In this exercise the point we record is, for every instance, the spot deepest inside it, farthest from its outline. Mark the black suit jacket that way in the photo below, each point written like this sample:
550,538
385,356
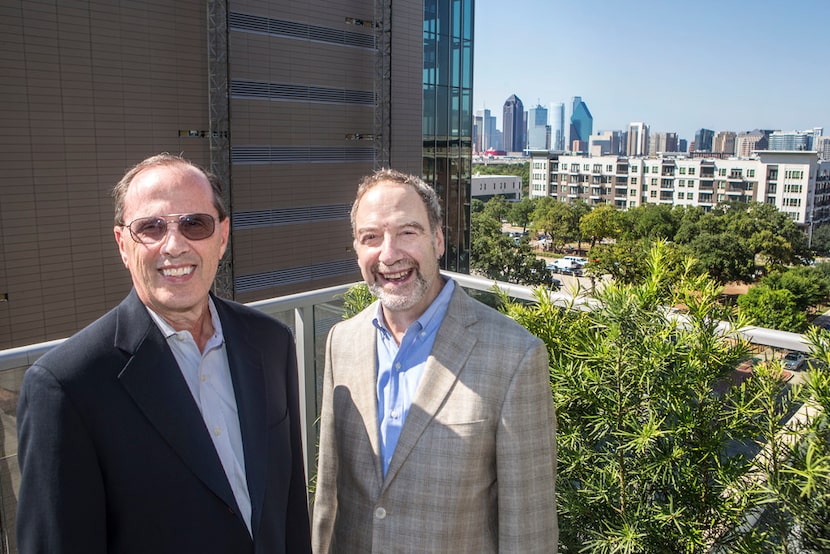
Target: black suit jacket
115,456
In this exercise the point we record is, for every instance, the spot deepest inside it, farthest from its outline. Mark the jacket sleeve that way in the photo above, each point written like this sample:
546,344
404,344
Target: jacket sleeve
298,532
526,459
61,504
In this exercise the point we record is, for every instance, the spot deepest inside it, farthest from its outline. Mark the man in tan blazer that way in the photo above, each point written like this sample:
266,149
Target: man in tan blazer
437,427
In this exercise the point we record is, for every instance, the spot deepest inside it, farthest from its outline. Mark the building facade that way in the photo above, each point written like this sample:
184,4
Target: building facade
557,130
637,140
513,124
538,130
703,140
290,103
582,125
796,183
486,187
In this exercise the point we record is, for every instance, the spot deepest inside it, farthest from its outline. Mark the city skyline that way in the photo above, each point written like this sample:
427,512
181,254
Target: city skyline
726,67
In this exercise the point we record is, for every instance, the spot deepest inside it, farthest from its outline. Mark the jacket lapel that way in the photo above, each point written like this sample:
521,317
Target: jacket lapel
363,381
247,373
154,381
450,351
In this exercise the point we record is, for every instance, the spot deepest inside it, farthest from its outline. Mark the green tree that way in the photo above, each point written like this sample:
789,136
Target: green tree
723,257
642,437
497,208
552,218
809,285
603,222
520,212
493,254
820,240
772,308
768,232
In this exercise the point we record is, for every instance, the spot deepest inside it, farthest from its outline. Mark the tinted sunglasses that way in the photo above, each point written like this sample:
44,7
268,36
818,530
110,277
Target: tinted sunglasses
149,230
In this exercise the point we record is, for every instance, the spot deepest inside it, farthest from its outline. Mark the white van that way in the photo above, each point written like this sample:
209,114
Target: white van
576,259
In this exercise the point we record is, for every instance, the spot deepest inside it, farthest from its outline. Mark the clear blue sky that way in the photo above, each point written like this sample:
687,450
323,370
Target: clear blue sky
726,65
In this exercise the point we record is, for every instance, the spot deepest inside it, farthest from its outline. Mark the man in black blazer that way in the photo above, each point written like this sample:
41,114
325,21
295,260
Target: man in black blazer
171,424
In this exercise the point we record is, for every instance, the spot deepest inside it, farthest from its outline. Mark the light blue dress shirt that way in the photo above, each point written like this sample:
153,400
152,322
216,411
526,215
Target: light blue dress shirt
400,368
209,378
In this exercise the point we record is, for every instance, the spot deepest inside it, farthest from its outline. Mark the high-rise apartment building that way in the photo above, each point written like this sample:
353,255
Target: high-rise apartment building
582,125
637,142
703,140
538,130
289,102
513,124
796,183
724,142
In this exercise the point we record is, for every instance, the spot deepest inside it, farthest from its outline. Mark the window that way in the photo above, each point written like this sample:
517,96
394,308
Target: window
683,171
634,169
655,169
750,186
585,167
681,195
653,194
632,192
633,180
750,173
691,171
609,168
654,181
722,172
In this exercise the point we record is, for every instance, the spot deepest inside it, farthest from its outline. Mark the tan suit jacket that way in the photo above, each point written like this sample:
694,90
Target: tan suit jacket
474,468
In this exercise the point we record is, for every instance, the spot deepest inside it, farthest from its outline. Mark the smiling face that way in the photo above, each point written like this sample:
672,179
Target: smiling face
172,276
397,251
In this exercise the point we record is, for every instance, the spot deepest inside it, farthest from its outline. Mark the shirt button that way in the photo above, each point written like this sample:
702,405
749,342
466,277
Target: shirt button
217,431
398,365
202,378
394,414
380,513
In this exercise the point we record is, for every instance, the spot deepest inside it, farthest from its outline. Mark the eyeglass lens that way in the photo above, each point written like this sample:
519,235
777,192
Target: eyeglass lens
153,229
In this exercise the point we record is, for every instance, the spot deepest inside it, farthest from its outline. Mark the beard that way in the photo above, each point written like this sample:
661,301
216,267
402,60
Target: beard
401,300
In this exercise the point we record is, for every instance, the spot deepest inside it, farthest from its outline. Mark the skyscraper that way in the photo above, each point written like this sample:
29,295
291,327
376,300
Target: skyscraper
703,140
290,103
557,123
538,131
637,144
485,130
513,122
582,123
724,142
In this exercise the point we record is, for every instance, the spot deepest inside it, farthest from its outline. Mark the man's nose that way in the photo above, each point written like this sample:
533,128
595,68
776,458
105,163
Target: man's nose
174,243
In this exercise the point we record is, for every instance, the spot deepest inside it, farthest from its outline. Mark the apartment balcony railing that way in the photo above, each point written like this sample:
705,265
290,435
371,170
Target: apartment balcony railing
310,316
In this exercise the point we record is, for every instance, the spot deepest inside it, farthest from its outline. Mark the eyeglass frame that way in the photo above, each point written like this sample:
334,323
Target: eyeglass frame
169,219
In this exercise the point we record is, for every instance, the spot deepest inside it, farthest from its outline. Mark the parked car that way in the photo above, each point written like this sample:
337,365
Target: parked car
794,360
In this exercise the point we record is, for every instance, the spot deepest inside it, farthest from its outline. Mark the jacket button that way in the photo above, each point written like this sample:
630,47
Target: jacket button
380,513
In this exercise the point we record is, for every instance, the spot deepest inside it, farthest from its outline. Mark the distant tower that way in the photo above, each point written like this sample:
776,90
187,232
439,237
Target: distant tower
513,120
485,130
724,142
582,122
637,139
557,123
703,140
537,128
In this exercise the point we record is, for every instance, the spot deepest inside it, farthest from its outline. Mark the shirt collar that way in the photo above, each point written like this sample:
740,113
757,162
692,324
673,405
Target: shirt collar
168,331
433,315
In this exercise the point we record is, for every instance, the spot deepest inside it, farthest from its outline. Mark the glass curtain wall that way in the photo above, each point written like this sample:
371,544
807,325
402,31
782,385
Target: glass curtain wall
448,119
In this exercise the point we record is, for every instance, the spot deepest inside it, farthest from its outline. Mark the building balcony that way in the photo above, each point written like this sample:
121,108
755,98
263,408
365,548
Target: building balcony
310,315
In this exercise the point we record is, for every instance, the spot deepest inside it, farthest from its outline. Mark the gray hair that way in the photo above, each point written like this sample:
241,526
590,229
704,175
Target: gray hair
426,192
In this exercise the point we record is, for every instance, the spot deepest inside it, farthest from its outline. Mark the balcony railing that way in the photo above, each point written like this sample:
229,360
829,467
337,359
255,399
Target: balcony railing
310,316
